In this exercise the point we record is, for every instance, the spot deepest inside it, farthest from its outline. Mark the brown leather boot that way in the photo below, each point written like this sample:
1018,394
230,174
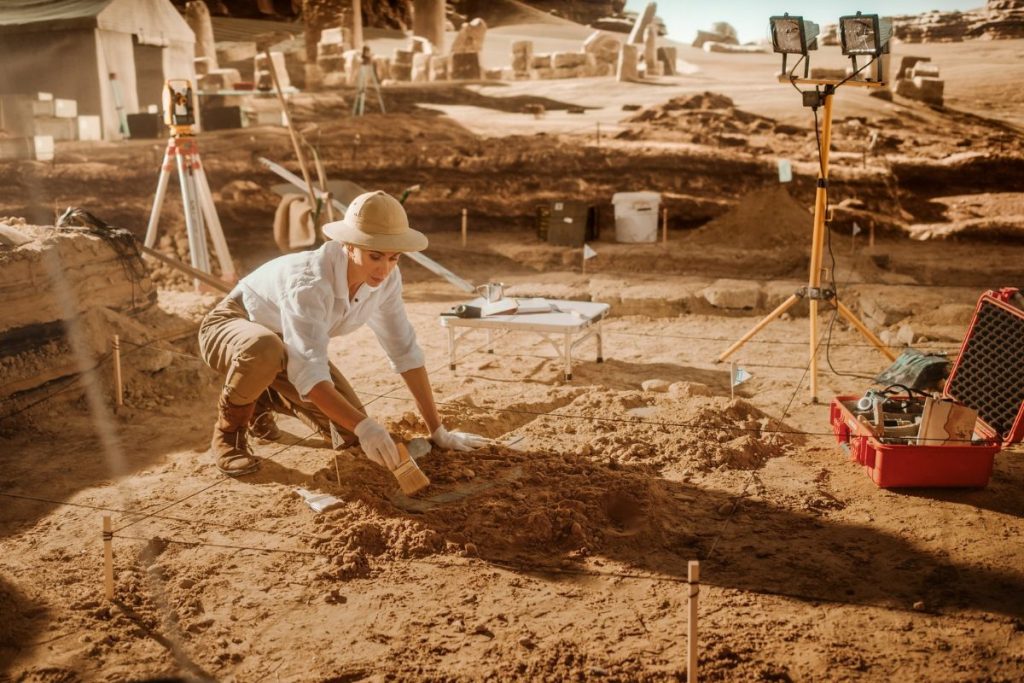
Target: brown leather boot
263,426
230,445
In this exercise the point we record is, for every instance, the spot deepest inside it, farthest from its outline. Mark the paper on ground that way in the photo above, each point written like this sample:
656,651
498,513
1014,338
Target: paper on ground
318,502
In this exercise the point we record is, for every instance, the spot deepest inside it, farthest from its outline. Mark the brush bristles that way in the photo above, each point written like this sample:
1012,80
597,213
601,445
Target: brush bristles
411,478
409,475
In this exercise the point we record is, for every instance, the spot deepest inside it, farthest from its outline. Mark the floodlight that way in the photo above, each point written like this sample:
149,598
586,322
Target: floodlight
793,35
865,34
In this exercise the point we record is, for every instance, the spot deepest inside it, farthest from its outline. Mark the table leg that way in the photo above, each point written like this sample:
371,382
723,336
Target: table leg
568,356
451,348
600,346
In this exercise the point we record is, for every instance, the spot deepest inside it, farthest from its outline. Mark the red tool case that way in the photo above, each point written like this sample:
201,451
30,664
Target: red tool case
988,376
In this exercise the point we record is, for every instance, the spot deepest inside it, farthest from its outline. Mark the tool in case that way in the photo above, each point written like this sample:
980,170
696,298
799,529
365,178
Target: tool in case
884,432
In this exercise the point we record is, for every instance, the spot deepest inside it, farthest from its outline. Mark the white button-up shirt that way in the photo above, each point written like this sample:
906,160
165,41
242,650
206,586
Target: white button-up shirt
304,298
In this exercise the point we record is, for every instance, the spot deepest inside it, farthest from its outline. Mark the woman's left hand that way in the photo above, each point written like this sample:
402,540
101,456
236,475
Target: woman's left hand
457,441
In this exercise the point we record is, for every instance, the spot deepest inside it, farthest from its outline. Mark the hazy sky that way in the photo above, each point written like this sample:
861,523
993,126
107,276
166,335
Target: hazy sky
750,17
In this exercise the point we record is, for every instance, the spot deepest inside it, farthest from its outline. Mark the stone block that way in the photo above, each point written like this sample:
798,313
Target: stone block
90,128
61,130
382,65
39,147
908,63
401,72
667,56
929,89
708,37
541,60
733,294
466,66
522,55
568,72
563,60
655,385
203,65
627,67
470,37
603,46
220,79
279,65
493,74
331,63
544,74
438,68
332,36
925,70
235,51
421,67
402,57
65,109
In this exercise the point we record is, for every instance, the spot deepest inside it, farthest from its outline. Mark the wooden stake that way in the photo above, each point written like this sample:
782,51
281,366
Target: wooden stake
337,473
871,235
108,558
583,256
693,579
118,384
598,133
664,225
464,227
732,379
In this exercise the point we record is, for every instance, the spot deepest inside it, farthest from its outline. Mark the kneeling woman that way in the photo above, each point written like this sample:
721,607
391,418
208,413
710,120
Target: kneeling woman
272,330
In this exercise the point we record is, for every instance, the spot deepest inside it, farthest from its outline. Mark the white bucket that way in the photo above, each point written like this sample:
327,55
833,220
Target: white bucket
636,216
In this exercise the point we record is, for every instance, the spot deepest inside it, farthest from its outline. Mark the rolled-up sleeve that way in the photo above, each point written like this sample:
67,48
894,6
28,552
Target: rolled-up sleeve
393,329
305,330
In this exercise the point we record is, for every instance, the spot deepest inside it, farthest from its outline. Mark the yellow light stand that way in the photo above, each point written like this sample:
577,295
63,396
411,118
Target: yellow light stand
814,291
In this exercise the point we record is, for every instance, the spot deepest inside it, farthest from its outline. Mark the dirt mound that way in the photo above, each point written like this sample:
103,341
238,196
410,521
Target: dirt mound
704,118
767,217
496,503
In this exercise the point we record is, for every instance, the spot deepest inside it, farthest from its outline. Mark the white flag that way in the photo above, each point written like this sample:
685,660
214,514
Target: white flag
785,171
588,253
739,376
856,229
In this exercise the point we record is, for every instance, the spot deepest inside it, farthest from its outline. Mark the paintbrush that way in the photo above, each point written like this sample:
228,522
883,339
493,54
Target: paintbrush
410,477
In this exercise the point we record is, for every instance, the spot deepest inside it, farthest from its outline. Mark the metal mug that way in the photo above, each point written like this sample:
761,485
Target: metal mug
492,291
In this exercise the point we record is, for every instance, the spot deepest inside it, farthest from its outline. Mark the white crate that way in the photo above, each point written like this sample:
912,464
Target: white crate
65,109
89,128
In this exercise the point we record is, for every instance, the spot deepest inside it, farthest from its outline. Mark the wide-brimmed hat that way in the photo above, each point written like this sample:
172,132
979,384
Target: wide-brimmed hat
376,221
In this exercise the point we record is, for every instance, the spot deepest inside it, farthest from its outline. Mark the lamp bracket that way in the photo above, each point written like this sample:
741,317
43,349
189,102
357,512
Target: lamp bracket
816,293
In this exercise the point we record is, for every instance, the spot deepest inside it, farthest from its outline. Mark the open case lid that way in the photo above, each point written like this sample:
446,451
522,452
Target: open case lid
989,372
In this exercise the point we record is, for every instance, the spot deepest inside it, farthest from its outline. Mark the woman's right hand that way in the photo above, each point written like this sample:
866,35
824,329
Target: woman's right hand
377,443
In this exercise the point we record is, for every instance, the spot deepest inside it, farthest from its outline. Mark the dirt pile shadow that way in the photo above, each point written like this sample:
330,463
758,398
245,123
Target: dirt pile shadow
540,509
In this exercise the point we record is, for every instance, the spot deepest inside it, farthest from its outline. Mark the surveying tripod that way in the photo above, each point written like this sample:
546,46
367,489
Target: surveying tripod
367,73
183,154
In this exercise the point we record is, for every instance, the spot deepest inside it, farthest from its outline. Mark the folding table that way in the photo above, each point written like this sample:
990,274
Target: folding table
574,321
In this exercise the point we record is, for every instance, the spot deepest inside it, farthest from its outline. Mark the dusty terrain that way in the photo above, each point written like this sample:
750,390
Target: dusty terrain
558,555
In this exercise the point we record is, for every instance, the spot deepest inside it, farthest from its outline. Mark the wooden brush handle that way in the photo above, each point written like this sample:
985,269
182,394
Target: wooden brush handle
403,454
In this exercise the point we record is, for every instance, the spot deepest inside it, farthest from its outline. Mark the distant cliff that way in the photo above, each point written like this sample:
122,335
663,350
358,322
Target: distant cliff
999,19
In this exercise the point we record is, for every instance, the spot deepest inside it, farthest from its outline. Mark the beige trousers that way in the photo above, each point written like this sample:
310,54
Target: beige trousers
253,360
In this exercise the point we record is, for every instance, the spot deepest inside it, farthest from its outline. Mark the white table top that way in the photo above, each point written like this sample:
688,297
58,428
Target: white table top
570,316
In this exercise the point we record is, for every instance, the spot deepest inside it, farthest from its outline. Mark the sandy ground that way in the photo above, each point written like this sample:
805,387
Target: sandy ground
561,553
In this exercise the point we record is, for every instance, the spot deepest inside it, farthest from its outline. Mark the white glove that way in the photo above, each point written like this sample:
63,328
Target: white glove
457,441
377,443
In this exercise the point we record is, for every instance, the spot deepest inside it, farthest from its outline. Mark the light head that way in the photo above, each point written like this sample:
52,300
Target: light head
865,34
793,35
